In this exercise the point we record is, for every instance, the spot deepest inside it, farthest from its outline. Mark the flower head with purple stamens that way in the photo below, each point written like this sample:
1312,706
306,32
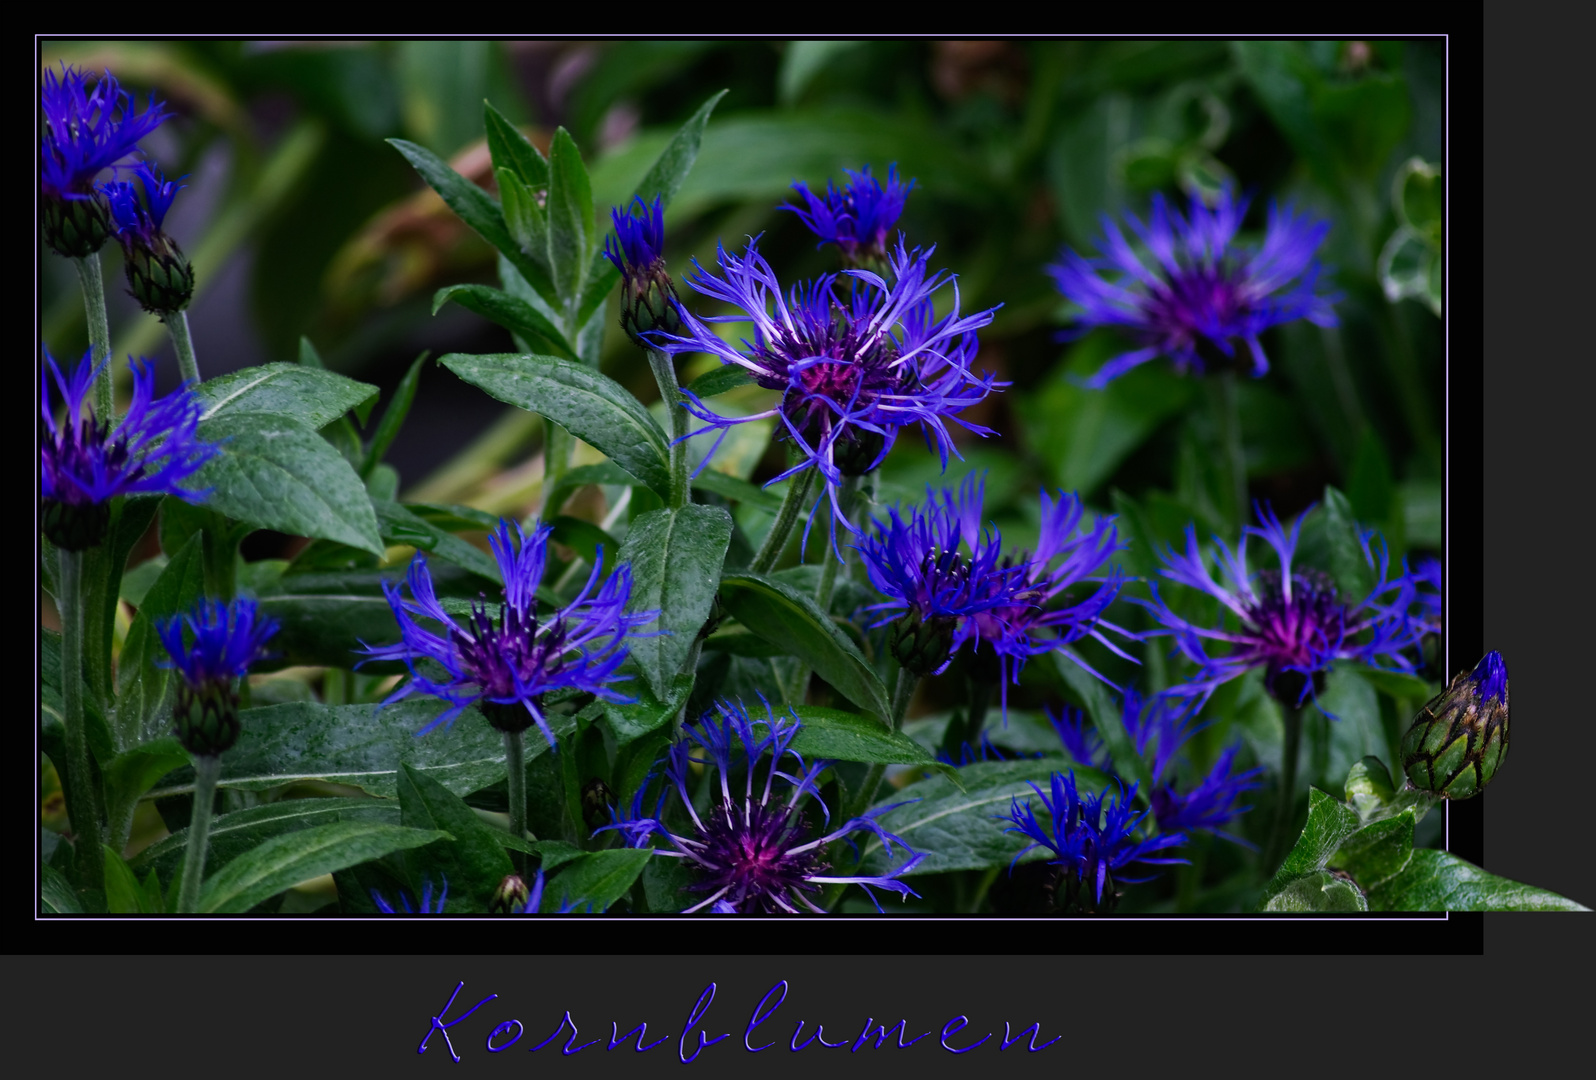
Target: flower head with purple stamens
753,853
226,639
1290,621
85,132
84,463
504,666
854,366
1204,296
858,216
1093,839
1008,607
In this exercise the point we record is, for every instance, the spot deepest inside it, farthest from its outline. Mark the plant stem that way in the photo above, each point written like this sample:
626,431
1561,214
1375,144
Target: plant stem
1287,797
183,342
671,395
902,694
1229,418
207,769
515,762
781,529
556,463
99,333
83,803
829,569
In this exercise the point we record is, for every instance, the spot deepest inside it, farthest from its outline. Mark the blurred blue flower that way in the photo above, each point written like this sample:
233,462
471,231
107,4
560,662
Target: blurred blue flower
853,369
753,853
1292,622
426,906
87,130
1166,723
1093,838
639,240
505,666
858,216
84,463
1083,744
1004,606
1204,296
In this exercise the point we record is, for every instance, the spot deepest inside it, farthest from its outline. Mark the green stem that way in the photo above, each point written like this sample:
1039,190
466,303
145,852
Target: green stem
1287,797
99,333
670,393
557,447
515,762
83,803
183,342
1229,419
781,529
902,694
207,770
834,563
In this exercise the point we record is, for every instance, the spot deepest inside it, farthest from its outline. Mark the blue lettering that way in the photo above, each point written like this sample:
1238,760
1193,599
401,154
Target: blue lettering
699,1009
820,1033
952,1028
496,1032
759,1018
566,1049
439,1025
881,1033
641,1031
1034,1030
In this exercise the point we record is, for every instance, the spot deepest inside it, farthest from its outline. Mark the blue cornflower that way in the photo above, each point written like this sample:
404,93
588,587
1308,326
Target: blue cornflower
1093,838
858,217
425,907
506,666
1204,295
212,647
754,854
1167,723
84,463
1292,622
637,250
1083,744
159,276
984,750
86,130
1003,605
853,369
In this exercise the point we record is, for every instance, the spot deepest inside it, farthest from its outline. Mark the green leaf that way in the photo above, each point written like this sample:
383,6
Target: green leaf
586,538
474,863
553,854
123,893
312,396
664,178
1440,881
51,734
364,745
400,526
598,878
783,616
143,705
512,150
1330,822
133,772
721,380
1398,684
845,736
515,315
1318,891
571,219
477,209
632,720
591,406
605,472
1110,723
285,861
676,558
964,830
242,831
55,893
527,222
276,473
393,417
729,487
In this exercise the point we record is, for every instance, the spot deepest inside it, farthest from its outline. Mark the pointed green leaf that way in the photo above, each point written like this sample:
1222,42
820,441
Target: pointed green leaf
512,150
474,862
1440,881
123,893
676,558
55,893
1346,561
516,316
570,217
245,830
591,406
780,614
313,396
143,706
274,472
1317,891
285,861
393,417
631,720
400,526
598,879
1330,822
525,218
721,380
844,736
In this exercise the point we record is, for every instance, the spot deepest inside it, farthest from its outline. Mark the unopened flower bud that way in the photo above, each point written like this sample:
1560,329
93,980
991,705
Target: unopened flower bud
159,276
211,647
75,227
648,297
510,897
922,645
1459,739
206,716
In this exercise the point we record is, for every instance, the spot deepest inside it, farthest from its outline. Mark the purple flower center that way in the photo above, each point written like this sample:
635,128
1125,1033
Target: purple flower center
506,657
1293,632
1198,305
87,450
748,851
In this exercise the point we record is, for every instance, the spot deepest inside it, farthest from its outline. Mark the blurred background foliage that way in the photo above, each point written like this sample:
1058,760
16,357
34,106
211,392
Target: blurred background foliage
302,222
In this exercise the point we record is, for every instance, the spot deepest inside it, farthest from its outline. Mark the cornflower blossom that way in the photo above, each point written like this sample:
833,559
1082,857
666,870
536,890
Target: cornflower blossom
158,273
1093,839
84,463
530,906
1292,622
858,216
505,666
1083,744
853,370
86,130
753,854
1005,605
1167,724
637,251
1204,296
211,647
